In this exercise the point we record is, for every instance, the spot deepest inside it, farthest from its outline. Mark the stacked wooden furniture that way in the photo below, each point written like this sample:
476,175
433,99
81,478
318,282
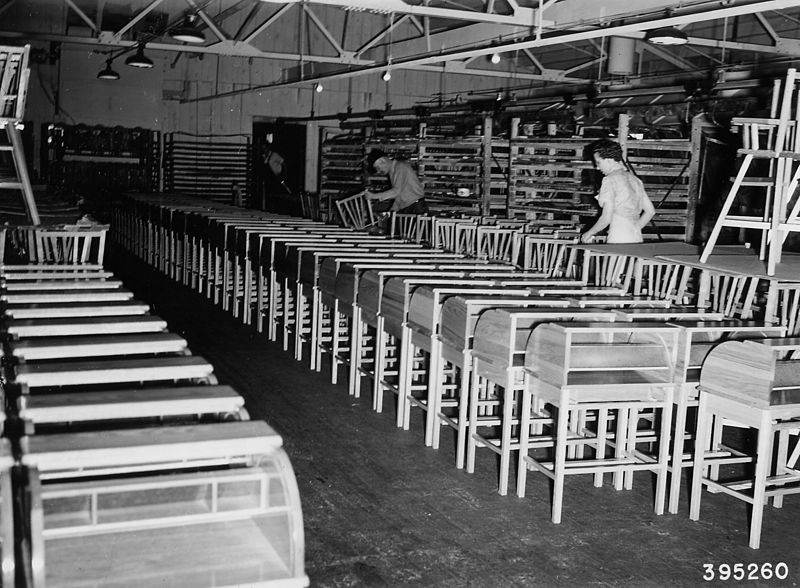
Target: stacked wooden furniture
99,160
447,164
549,177
341,170
669,170
134,463
755,384
208,168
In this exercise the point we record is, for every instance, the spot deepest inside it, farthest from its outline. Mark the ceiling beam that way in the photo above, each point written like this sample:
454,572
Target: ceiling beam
81,14
589,33
141,14
667,56
520,16
624,29
323,29
264,25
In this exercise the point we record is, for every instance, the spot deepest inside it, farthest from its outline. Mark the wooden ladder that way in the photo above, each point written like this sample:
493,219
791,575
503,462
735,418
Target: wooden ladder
777,140
14,73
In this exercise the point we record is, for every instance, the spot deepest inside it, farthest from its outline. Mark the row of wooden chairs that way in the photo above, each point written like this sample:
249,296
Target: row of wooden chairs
132,456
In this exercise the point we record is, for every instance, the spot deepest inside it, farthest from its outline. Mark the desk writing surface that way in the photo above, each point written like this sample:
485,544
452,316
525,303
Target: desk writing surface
648,250
741,261
727,325
75,309
150,445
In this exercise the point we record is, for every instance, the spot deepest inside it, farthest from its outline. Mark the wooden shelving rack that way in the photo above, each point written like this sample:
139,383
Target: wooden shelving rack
341,169
447,164
663,166
208,168
541,178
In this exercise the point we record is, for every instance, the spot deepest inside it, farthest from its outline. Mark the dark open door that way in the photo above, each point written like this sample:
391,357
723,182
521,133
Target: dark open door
280,154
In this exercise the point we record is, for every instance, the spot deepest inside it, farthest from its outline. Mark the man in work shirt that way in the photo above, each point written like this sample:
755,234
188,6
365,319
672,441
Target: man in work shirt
406,194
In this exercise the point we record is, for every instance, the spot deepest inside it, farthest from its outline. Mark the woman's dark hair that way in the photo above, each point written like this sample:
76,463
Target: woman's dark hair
607,149
374,156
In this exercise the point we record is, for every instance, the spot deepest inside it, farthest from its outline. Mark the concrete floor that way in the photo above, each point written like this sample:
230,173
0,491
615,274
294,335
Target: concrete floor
381,509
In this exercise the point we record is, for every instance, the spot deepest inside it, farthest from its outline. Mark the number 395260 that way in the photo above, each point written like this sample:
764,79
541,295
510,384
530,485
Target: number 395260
741,571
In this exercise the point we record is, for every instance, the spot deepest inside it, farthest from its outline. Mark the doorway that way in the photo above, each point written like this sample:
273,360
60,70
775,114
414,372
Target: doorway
280,153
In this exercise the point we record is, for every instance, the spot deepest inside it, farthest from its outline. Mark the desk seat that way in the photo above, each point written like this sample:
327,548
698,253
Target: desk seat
97,346
95,295
75,373
130,404
39,285
157,447
93,325
60,309
10,273
36,268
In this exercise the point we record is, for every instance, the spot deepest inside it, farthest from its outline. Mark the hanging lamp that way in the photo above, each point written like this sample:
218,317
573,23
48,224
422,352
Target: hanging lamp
139,59
187,31
107,73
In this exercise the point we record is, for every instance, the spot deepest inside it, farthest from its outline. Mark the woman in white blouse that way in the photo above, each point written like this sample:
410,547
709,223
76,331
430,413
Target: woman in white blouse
625,205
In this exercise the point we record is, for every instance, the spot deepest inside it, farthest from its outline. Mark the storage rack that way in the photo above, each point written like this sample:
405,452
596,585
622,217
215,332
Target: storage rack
93,160
208,167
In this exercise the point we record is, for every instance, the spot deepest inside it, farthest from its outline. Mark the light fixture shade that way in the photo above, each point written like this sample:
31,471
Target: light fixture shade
187,32
666,36
107,73
387,75
139,59
318,87
495,58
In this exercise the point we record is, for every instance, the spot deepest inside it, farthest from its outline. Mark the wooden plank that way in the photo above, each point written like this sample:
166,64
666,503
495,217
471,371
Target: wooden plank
97,346
135,403
56,327
112,371
117,448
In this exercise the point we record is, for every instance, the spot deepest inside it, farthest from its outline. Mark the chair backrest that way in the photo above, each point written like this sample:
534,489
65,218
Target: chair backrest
498,243
356,211
69,244
405,226
310,205
14,73
552,256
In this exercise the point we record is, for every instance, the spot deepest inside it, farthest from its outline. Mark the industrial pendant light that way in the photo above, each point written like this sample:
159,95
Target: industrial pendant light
107,73
187,31
666,36
139,59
